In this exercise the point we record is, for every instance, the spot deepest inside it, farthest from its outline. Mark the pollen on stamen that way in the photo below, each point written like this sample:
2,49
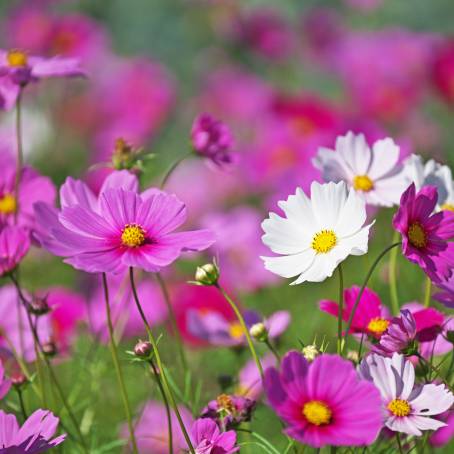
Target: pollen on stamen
399,407
363,183
324,241
133,235
8,204
447,207
378,326
17,58
417,235
317,413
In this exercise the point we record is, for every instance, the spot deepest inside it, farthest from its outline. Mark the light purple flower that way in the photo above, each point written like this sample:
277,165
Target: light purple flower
35,435
250,383
408,406
5,384
14,245
208,439
446,296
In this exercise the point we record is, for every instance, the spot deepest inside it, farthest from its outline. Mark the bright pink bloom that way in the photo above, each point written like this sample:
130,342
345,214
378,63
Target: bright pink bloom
5,384
425,235
324,402
446,296
14,245
444,435
35,435
207,438
371,317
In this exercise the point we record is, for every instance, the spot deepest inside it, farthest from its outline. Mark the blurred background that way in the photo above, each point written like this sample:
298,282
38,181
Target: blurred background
287,77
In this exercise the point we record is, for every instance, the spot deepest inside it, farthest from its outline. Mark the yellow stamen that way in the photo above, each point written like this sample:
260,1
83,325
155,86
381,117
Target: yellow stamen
235,330
448,207
378,325
225,403
324,241
417,235
317,412
17,59
363,183
8,204
133,235
399,407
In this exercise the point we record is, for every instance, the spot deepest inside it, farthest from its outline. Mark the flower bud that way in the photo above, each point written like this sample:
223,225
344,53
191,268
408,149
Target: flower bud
50,348
259,332
207,274
310,352
18,380
39,306
143,349
353,356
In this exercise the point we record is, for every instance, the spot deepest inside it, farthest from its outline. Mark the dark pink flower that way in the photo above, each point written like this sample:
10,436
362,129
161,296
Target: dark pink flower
207,438
425,235
444,435
324,402
14,245
446,296
35,435
443,70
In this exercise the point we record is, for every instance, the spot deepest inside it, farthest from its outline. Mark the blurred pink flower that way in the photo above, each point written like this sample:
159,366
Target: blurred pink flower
249,381
14,245
5,384
443,69
444,435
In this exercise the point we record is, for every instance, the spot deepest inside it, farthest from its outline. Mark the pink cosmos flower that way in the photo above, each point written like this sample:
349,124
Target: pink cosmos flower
371,317
5,384
425,235
33,188
324,402
444,435
207,438
14,245
408,406
443,70
446,296
35,435
250,383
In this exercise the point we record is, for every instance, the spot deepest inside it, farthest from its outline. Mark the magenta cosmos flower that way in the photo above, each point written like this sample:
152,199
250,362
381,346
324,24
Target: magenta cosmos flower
324,402
14,245
371,317
208,439
425,235
35,435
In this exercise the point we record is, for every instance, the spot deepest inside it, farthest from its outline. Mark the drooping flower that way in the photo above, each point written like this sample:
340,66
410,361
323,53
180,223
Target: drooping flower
212,139
373,172
33,437
207,438
324,402
14,245
317,234
228,411
425,235
371,317
408,406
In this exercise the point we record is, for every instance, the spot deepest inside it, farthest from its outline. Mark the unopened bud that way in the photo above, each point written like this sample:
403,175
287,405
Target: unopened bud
39,306
310,352
207,274
353,356
50,349
259,332
143,349
122,156
18,380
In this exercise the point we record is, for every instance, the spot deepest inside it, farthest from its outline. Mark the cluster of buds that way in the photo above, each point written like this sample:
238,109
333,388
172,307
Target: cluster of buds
207,274
50,348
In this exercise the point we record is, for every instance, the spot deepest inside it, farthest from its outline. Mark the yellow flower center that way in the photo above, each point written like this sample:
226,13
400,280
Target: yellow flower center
448,207
417,235
324,241
363,183
133,235
225,403
235,330
8,204
16,58
399,407
317,412
378,325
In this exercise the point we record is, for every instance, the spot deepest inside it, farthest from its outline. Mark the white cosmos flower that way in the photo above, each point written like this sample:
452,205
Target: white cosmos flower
373,172
434,174
408,407
317,233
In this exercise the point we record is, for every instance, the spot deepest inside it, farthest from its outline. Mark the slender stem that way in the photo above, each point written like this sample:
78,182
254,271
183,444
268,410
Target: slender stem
428,292
360,348
399,443
392,277
172,169
20,153
118,370
360,294
166,404
341,310
21,403
243,326
160,365
39,370
450,368
273,350
173,322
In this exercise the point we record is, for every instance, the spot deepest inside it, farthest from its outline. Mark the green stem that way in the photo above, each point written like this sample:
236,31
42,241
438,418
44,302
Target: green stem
360,294
21,403
428,292
243,326
160,365
392,277
341,310
118,370
20,153
273,350
173,322
172,169
399,443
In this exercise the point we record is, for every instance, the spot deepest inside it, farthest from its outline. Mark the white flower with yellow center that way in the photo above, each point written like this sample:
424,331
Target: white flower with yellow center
408,407
317,233
375,172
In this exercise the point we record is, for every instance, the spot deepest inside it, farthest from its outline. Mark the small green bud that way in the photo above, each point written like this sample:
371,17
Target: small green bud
259,332
207,274
310,352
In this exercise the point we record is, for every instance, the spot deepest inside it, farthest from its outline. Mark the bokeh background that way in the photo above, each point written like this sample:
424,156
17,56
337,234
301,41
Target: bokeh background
287,77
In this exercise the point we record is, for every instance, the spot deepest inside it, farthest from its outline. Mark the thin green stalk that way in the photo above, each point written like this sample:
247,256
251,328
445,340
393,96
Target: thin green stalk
118,370
173,322
392,277
341,310
369,274
160,365
172,169
243,326
20,153
40,373
21,402
428,292
273,350
399,443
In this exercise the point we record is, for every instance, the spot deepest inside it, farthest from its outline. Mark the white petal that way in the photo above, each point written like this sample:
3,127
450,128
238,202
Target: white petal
389,190
290,265
433,400
327,202
322,267
403,425
408,377
424,423
383,377
352,216
355,152
385,154
356,244
332,166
